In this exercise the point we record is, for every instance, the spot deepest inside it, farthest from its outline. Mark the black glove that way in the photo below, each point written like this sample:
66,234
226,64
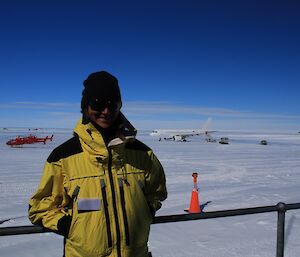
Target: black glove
64,225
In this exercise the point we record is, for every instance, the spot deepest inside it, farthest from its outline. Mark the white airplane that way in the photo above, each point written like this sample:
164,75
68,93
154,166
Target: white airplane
181,135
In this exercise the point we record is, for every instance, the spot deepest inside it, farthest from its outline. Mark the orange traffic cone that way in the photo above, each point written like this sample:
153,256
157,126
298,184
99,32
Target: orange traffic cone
195,204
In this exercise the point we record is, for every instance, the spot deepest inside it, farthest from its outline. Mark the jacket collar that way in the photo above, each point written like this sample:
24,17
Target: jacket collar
93,140
125,132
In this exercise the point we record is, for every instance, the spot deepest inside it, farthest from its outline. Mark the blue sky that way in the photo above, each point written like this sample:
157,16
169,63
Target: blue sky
178,62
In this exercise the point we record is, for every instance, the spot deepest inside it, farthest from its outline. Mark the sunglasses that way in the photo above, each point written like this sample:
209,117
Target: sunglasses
100,105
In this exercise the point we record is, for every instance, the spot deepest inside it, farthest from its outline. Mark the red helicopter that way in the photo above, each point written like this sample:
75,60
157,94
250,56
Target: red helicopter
31,139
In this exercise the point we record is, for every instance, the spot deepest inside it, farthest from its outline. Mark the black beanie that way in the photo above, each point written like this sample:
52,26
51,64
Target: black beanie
101,85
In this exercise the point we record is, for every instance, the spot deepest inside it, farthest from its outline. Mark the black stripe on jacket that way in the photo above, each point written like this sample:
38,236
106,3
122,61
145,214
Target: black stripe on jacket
67,149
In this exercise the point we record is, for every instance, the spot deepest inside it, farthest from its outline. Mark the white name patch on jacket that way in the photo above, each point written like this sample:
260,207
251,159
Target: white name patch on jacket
88,204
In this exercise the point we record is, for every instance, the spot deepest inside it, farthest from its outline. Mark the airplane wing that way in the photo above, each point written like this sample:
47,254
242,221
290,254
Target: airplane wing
183,136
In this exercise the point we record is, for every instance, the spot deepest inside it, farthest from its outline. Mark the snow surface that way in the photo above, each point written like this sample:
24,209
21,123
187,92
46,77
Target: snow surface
239,175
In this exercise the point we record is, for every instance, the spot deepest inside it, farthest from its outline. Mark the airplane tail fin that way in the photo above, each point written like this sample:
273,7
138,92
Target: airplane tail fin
207,125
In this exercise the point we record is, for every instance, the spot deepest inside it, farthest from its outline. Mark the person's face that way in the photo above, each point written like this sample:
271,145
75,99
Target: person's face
103,113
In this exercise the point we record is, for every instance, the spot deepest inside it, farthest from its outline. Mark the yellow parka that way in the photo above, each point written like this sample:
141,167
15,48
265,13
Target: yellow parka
101,197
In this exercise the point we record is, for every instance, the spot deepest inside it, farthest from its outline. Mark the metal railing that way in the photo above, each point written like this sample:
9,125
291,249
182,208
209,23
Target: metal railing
280,208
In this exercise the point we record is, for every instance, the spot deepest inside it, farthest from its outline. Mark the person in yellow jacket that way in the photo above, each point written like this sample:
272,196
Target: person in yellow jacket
101,188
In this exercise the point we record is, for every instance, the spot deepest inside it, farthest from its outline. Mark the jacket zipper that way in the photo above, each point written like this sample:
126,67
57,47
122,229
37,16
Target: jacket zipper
114,203
124,211
108,229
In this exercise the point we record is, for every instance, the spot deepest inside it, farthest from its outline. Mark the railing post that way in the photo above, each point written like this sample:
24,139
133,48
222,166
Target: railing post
280,229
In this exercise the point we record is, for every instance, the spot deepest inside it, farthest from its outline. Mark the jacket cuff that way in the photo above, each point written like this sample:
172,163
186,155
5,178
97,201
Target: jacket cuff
156,206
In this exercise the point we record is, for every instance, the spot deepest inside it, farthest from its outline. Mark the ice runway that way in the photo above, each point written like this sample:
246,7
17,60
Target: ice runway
241,174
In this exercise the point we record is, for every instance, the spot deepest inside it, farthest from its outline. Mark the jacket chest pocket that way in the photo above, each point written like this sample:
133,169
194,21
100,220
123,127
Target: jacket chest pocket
135,208
133,181
89,211
86,195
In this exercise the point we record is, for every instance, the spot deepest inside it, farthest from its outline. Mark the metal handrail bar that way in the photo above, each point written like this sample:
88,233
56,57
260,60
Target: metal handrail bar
225,213
33,229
